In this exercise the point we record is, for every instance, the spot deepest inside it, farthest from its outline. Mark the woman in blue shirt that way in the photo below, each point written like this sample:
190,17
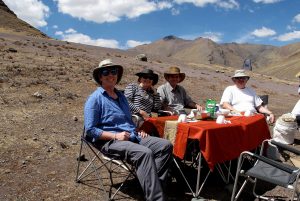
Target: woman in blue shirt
107,120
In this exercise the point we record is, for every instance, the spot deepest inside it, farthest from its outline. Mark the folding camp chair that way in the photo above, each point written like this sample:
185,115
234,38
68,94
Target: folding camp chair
265,99
102,171
268,170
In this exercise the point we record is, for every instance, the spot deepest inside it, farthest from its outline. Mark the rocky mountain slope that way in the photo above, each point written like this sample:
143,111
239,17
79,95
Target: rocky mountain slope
281,62
9,23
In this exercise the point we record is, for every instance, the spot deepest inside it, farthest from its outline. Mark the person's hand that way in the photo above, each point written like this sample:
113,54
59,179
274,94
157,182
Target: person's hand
154,90
143,134
122,136
271,118
144,114
198,107
141,85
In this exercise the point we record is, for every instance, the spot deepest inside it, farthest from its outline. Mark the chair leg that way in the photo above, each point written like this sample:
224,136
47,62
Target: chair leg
91,171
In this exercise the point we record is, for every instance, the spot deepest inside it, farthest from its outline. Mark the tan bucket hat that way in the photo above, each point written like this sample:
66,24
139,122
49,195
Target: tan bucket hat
174,71
107,63
240,73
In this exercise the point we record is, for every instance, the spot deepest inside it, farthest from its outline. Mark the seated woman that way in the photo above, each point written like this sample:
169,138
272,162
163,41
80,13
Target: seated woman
142,96
240,98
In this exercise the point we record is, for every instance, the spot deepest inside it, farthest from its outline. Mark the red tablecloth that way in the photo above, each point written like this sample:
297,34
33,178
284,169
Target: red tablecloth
218,142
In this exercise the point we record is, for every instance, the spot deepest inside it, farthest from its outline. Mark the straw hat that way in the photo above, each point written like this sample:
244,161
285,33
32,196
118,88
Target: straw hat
149,73
298,74
240,73
174,71
107,63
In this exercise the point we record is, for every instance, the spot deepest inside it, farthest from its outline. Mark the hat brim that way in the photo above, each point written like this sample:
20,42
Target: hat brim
181,75
154,75
235,76
97,71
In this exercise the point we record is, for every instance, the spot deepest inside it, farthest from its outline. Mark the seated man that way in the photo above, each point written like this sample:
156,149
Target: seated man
173,96
108,122
239,98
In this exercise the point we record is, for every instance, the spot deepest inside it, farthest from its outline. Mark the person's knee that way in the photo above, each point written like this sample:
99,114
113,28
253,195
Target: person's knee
167,145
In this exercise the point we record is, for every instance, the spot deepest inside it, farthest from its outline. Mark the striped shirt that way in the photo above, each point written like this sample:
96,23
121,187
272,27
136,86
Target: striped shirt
140,99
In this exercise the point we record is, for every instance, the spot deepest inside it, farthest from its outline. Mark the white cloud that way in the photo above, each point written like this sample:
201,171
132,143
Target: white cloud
227,4
101,11
33,12
59,33
297,18
55,27
175,11
70,31
72,35
214,36
289,36
263,32
266,1
244,39
134,43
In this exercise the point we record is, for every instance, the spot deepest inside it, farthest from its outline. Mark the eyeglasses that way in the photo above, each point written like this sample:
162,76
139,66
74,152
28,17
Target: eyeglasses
147,77
113,71
241,78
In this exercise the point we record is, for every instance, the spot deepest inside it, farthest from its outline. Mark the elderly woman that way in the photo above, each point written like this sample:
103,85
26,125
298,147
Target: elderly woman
142,96
240,98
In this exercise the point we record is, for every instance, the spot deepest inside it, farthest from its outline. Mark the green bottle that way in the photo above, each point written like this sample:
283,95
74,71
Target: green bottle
210,107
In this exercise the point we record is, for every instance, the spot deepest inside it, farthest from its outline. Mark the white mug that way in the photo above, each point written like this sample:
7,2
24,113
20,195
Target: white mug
182,118
220,119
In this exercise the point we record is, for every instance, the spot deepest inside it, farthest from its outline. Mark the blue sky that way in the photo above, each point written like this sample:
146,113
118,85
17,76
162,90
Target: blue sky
127,23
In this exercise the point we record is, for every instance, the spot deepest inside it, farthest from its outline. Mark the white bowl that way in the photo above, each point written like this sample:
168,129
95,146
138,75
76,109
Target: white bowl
225,111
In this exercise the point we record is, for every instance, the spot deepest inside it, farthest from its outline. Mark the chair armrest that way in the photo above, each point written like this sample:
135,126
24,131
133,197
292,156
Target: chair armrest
286,147
164,113
270,162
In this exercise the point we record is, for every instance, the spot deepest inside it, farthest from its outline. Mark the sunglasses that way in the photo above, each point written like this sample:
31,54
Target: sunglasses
241,78
113,71
147,77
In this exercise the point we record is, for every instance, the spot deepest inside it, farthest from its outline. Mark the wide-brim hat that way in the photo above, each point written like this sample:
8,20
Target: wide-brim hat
149,73
298,74
107,63
240,73
174,71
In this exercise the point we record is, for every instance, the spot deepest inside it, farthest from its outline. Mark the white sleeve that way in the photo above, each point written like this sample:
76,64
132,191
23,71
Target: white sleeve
296,110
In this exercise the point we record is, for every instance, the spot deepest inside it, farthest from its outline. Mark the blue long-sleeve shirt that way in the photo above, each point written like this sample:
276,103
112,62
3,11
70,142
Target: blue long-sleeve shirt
103,113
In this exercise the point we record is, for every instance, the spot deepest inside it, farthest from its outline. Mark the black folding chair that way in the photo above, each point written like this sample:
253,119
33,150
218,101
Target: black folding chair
100,170
269,170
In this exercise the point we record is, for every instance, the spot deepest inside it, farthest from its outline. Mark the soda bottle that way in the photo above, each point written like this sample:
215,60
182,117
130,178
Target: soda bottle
210,107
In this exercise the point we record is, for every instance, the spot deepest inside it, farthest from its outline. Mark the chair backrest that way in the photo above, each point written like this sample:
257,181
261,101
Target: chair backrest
265,99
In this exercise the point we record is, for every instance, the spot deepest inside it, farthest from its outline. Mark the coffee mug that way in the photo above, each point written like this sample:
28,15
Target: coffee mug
220,119
182,118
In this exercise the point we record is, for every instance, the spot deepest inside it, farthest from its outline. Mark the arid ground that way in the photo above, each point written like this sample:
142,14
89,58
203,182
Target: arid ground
43,87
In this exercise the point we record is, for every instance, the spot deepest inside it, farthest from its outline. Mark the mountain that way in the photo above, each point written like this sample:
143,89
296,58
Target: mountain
9,23
282,62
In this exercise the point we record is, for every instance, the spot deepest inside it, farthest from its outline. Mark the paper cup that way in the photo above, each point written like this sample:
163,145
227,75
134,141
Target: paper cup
182,118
